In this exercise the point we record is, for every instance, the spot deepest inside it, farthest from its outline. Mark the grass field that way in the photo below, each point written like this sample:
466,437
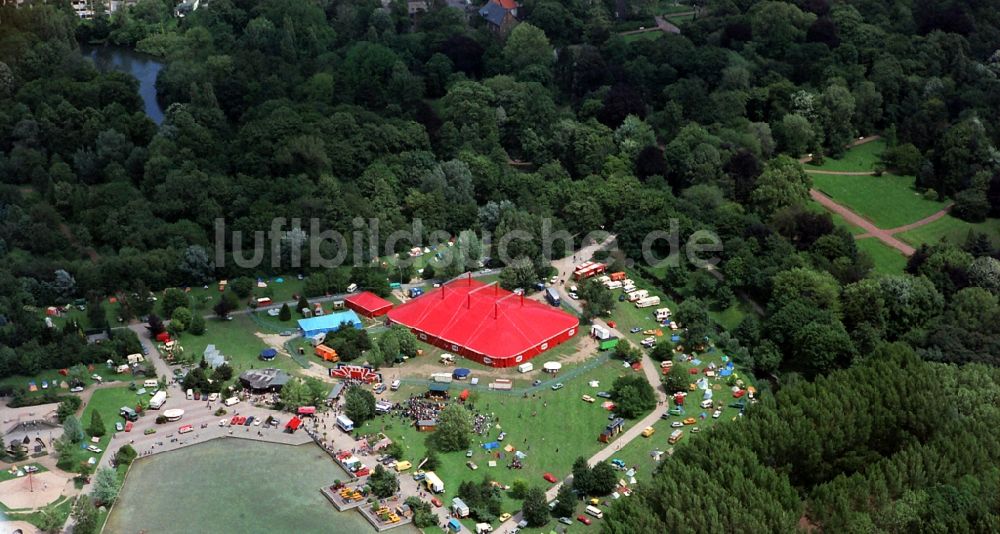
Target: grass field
107,402
564,428
951,230
679,20
628,315
54,379
236,340
888,201
6,475
643,36
887,259
858,159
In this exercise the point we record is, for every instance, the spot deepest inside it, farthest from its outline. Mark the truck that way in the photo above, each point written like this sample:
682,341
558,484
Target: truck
619,276
433,483
675,436
552,296
662,314
607,344
599,332
647,302
637,294
526,367
158,400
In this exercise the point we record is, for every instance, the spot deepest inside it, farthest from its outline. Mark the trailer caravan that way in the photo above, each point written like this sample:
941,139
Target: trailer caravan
526,367
662,314
158,400
647,302
637,295
613,285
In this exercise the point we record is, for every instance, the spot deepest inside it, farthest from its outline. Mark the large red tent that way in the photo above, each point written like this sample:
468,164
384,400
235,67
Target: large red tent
368,304
485,323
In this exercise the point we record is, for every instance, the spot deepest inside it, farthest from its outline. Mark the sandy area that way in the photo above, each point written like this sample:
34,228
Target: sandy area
47,486
8,527
274,341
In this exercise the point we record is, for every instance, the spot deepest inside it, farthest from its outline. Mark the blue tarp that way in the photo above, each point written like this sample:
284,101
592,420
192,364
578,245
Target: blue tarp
675,338
461,372
491,445
725,372
328,323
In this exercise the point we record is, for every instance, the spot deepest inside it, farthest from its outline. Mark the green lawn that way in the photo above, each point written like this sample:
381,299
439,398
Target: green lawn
6,475
204,298
643,36
54,379
62,509
952,230
236,339
560,432
107,402
887,259
679,20
861,158
888,201
666,7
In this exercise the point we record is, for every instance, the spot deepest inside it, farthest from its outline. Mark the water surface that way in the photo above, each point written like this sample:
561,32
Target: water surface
144,67
234,486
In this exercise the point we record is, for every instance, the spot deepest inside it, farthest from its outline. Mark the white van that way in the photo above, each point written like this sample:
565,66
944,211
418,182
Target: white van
190,394
352,288
707,403
150,384
594,511
232,400
395,385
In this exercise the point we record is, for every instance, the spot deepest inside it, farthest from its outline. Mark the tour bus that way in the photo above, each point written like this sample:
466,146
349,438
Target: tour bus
594,511
345,424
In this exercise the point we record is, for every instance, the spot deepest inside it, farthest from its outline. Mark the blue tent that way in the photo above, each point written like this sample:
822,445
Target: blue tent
268,354
460,373
725,372
491,445
328,323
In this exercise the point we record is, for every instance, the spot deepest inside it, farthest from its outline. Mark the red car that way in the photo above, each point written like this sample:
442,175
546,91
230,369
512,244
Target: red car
436,502
550,478
739,393
583,519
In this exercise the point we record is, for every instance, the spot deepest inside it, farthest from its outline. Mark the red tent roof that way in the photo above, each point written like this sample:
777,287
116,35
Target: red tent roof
507,4
307,410
486,320
368,304
294,423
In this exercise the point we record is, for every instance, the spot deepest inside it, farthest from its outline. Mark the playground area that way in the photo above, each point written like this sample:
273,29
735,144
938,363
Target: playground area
34,491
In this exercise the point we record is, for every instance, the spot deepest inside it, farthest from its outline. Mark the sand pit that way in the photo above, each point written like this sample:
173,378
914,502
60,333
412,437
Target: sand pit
273,340
17,493
7,527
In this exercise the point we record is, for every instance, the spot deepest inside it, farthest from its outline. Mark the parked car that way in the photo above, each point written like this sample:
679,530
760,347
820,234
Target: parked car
717,414
583,519
549,477
94,449
635,330
588,398
213,397
468,453
557,386
30,469
472,465
119,426
504,516
695,430
419,475
501,436
536,383
76,389
565,520
676,424
690,421
604,394
249,421
522,523
149,431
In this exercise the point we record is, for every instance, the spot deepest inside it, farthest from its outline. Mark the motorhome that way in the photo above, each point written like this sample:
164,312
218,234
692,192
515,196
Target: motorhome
662,314
433,483
613,285
594,511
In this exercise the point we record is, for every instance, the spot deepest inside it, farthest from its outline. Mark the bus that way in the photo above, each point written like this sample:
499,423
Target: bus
344,423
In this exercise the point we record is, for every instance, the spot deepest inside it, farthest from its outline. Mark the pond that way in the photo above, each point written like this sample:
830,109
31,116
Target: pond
234,485
144,67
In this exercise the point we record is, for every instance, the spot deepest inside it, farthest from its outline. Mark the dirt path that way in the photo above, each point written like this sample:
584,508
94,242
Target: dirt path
856,142
926,220
859,221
